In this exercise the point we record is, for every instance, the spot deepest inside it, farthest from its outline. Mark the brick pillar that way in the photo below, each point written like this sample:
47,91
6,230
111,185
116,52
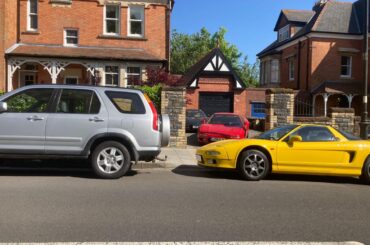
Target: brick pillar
279,107
174,104
343,119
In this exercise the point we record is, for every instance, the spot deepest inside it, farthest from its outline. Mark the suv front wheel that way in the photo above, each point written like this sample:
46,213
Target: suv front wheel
110,160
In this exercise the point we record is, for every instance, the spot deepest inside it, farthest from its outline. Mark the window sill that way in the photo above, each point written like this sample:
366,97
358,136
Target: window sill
61,1
346,78
31,33
117,37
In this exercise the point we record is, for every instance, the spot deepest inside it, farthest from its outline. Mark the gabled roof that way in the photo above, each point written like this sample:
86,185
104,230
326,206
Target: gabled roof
330,17
295,16
214,63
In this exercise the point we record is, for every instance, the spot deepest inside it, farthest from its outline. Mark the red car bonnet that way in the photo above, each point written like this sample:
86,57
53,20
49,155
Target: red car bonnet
221,129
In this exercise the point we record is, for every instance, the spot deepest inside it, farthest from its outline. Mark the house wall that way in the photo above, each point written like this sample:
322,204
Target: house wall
326,60
8,34
87,17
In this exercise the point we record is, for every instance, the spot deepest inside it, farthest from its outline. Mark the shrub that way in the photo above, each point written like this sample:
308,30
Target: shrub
154,93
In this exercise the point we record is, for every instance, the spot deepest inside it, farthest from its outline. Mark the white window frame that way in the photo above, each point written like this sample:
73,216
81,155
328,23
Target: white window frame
349,66
291,69
133,74
284,33
112,73
118,19
65,37
275,71
73,77
29,14
129,20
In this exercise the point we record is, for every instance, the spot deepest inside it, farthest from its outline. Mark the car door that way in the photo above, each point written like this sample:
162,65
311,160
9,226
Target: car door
22,126
318,152
78,115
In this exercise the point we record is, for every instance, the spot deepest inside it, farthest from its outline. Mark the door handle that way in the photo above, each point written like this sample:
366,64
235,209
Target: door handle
35,118
96,119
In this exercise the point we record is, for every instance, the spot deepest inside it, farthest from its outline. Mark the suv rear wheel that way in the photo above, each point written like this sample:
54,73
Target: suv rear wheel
111,160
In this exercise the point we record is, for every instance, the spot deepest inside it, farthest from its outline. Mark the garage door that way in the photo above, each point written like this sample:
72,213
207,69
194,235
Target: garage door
212,103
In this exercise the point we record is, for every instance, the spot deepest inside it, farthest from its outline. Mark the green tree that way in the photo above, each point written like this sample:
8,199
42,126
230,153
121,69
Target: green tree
187,49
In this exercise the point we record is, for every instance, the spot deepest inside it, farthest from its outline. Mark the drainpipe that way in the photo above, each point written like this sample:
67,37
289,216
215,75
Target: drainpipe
18,21
308,62
299,65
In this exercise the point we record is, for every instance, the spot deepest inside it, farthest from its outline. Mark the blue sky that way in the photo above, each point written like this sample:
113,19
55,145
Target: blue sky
250,23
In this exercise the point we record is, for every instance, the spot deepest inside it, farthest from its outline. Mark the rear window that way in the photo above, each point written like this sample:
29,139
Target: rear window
228,121
129,103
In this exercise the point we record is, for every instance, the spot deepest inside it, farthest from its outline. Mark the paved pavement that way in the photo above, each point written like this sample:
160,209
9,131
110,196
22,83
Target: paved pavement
183,204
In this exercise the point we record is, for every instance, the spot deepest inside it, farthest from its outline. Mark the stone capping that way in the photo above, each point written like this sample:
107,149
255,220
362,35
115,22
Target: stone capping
167,88
341,110
279,91
314,120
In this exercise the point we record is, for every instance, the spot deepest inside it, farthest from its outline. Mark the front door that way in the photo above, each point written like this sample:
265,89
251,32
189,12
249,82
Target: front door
319,152
76,119
22,127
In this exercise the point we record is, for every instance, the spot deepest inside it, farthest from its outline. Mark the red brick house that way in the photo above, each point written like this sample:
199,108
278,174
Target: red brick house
213,86
106,42
319,53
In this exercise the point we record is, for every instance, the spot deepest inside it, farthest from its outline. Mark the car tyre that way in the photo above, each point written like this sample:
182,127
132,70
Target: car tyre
365,176
253,165
110,160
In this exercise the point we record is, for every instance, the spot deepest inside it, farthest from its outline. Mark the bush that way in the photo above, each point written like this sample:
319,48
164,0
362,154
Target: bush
154,93
1,92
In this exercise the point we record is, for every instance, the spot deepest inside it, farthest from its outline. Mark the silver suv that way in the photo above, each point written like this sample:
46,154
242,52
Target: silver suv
113,127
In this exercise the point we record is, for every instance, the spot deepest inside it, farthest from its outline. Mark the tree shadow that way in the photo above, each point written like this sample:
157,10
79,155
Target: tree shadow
199,172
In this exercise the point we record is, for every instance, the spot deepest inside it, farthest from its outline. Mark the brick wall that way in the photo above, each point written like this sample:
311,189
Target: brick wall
174,104
254,95
87,17
8,33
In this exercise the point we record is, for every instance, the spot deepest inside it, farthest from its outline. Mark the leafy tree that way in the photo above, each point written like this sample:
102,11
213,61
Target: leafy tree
187,49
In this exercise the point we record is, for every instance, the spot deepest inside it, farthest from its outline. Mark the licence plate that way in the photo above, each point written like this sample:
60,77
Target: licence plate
195,127
199,158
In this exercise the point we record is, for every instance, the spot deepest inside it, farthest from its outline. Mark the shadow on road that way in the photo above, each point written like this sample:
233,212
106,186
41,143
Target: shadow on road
50,168
195,171
192,139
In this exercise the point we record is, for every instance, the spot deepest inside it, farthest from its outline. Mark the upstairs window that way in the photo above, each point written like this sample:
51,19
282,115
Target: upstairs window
32,20
346,67
70,37
112,20
133,75
136,21
284,33
291,69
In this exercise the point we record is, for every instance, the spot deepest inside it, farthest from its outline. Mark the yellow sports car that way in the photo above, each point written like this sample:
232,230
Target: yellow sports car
293,149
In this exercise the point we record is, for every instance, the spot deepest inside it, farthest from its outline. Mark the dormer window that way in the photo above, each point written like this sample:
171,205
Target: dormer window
284,33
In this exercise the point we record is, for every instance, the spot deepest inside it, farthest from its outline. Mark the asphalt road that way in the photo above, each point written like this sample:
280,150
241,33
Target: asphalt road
184,204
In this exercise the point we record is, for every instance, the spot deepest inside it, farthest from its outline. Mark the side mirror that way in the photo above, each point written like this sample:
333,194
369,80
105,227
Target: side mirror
294,138
3,107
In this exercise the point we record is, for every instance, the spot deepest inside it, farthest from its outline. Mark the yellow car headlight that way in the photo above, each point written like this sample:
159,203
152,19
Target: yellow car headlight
213,153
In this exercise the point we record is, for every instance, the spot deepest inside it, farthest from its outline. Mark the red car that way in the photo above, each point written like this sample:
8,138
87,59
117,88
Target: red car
223,126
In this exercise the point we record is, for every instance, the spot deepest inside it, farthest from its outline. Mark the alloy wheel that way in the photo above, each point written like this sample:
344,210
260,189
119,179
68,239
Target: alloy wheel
110,160
254,166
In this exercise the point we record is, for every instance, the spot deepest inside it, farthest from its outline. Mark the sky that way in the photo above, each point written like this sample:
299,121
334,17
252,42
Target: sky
250,23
